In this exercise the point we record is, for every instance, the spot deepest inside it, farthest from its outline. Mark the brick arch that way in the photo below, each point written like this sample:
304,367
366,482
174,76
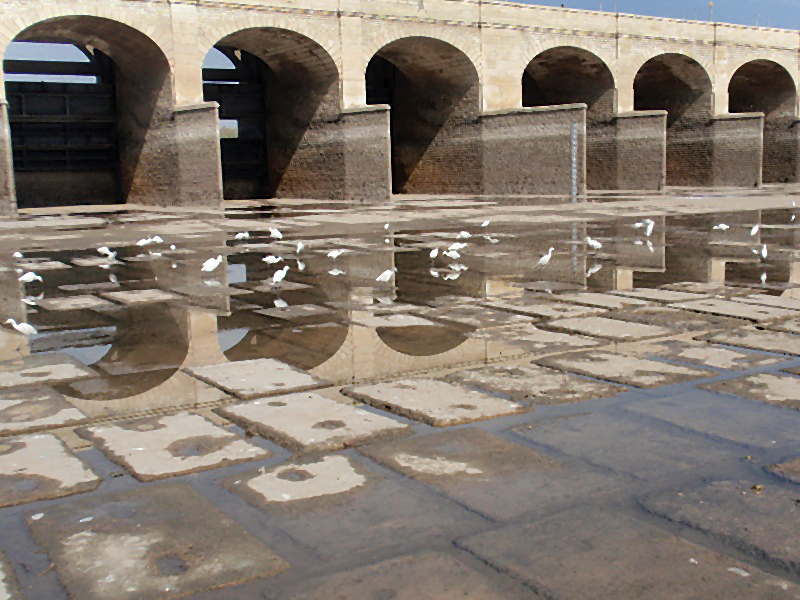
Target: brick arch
734,65
533,47
633,68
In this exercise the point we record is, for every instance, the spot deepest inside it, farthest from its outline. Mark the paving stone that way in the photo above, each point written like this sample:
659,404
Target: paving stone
298,311
428,576
479,317
772,388
34,408
39,467
704,354
738,310
36,264
46,367
158,447
768,341
540,309
94,261
89,287
391,320
141,296
624,369
309,421
596,554
256,378
339,508
764,521
492,476
788,470
607,301
658,295
533,384
283,286
436,403
675,318
609,329
149,543
622,445
75,303
9,588
791,326
530,339
766,300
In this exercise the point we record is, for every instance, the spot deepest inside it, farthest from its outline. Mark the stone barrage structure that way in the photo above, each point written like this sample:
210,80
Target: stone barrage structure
361,99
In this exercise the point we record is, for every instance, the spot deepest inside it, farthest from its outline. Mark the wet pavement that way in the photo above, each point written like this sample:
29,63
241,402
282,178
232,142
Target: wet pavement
316,400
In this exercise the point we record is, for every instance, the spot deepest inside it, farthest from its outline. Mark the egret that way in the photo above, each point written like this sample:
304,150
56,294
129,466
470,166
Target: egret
336,272
272,260
334,254
459,267
32,300
722,227
173,247
386,226
593,269
451,276
763,278
593,243
639,243
793,218
764,252
280,275
301,266
434,273
387,241
243,235
650,225
385,276
300,246
107,252
18,255
144,242
650,247
281,303
30,277
211,264
157,239
434,253
457,246
546,258
452,254
492,240
23,328
754,230
274,233
485,223
464,234
113,278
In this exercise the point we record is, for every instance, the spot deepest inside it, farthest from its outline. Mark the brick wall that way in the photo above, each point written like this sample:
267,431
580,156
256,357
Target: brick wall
737,149
689,144
781,150
8,205
528,151
197,149
640,144
367,153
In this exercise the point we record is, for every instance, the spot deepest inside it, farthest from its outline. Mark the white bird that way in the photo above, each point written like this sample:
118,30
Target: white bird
243,235
639,243
593,269
386,226
722,227
107,252
650,247
593,243
459,267
334,254
274,233
281,303
764,252
763,278
32,300
464,234
451,276
300,246
144,242
387,241
113,278
272,260
211,264
485,223
157,239
650,225
434,253
452,254
434,273
280,275
301,266
30,277
546,258
23,328
336,272
172,247
754,230
385,276
457,246
17,255
492,240
793,218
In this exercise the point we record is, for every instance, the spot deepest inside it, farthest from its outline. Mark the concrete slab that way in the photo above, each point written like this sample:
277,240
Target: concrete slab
159,447
768,341
9,588
43,368
256,378
36,264
339,508
391,320
150,543
703,354
658,295
479,317
293,313
308,421
75,303
538,308
766,300
436,403
607,301
676,319
529,338
788,470
791,326
609,329
772,388
597,554
141,296
624,369
738,310
763,521
622,445
533,384
94,261
428,576
490,475
32,409
40,467
283,286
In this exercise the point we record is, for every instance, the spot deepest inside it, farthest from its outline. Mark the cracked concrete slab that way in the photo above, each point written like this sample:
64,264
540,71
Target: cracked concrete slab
607,301
676,319
533,384
256,378
42,264
158,447
391,320
597,554
538,308
609,329
40,467
308,421
35,408
150,543
767,300
436,403
529,338
703,354
428,576
761,520
141,296
791,326
738,310
490,475
658,295
772,388
9,587
296,312
42,368
768,341
75,303
479,317
624,369
622,445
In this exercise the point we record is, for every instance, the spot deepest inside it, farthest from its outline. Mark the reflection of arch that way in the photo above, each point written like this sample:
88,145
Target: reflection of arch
681,86
767,87
567,75
433,89
286,97
102,148
421,340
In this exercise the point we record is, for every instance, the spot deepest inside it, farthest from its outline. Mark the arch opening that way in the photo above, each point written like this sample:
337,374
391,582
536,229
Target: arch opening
433,91
279,100
681,86
567,75
767,87
89,99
